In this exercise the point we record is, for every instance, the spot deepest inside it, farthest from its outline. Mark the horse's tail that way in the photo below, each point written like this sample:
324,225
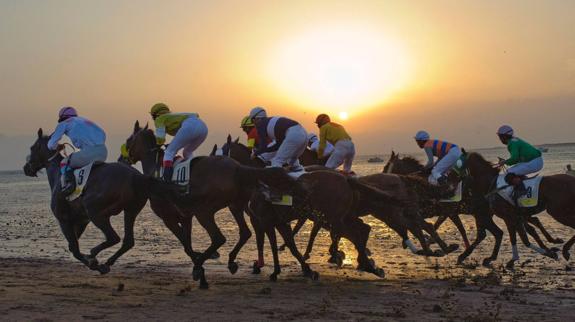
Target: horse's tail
276,178
374,194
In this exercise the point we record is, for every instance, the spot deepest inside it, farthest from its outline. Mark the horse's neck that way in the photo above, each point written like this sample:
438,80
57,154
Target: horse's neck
150,162
53,171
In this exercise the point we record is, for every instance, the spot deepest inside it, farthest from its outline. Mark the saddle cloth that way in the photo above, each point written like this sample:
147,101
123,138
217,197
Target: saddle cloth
81,176
457,196
529,199
181,174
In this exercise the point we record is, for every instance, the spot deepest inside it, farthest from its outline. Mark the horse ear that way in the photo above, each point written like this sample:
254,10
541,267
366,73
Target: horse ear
237,140
136,126
215,148
40,133
146,127
229,139
392,154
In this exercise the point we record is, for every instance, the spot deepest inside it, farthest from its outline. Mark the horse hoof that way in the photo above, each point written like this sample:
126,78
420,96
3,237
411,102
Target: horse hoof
282,248
552,254
332,260
367,252
256,269
510,264
339,261
233,267
487,262
274,277
566,255
204,286
197,273
215,255
314,275
554,249
342,254
92,263
104,269
451,248
557,241
438,253
379,272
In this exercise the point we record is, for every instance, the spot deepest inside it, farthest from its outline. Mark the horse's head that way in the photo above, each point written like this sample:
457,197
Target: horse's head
39,156
405,165
480,170
235,150
139,145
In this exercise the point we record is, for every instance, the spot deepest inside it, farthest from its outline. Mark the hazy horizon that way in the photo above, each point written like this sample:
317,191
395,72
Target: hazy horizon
457,69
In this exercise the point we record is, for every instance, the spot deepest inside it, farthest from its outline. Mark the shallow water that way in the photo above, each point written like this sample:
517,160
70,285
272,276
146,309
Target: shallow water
28,229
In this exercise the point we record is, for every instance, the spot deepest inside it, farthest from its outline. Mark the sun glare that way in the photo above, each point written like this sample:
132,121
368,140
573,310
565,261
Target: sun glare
343,116
348,68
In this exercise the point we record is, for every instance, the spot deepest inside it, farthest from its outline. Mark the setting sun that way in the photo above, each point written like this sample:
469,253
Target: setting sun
350,67
343,116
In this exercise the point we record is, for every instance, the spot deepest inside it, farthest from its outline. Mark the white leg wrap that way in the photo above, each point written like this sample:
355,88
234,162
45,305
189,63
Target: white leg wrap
515,253
537,249
411,246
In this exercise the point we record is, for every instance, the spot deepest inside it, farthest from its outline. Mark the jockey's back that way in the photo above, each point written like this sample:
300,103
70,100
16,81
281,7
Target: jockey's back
81,131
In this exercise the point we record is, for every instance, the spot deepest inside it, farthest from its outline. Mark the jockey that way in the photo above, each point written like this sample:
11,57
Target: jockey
85,135
344,149
248,126
188,130
313,144
524,159
289,135
446,153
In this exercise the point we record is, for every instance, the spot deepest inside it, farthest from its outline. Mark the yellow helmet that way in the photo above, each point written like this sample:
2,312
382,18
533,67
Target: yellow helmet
247,122
159,109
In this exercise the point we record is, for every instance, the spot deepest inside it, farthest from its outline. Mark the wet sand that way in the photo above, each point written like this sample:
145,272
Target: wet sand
39,279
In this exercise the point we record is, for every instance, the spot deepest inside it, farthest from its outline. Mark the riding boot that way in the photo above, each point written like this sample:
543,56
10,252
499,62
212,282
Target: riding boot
168,173
68,182
442,180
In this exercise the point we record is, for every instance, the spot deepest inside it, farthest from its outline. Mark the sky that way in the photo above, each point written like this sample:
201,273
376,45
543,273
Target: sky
458,69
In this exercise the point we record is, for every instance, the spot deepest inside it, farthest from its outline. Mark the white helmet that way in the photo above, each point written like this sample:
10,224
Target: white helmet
258,112
505,130
421,136
311,137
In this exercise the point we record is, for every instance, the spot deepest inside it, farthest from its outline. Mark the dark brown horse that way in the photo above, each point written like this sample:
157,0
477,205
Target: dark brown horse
556,196
398,218
470,204
111,188
215,183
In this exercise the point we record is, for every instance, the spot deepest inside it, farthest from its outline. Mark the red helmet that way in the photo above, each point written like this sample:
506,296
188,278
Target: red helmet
322,119
66,112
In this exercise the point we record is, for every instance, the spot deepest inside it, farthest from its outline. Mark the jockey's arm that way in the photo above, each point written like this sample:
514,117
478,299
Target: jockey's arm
160,130
57,136
514,151
430,162
322,141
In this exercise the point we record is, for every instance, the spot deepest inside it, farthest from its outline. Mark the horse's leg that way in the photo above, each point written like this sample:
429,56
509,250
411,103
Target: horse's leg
207,220
128,241
271,233
336,256
260,235
543,250
497,233
299,224
245,234
312,235
513,238
68,229
431,231
454,217
440,220
102,221
566,248
286,233
535,221
358,233
80,227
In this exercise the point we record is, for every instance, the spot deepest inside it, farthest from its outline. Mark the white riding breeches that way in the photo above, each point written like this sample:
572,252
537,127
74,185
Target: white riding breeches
190,136
525,168
444,164
343,153
291,148
88,155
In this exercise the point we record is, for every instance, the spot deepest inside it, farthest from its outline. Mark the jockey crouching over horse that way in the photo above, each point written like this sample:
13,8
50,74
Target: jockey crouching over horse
213,183
108,188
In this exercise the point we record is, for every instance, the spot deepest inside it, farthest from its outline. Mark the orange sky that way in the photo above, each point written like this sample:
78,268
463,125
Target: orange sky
456,68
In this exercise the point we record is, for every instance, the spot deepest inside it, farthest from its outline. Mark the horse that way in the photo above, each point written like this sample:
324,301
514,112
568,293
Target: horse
111,188
471,204
556,196
392,215
215,183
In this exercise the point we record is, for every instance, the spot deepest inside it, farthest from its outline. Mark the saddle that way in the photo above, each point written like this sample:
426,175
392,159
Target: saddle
78,184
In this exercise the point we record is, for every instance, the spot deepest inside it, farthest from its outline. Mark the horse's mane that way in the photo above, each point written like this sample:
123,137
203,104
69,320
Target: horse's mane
242,146
476,157
412,161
